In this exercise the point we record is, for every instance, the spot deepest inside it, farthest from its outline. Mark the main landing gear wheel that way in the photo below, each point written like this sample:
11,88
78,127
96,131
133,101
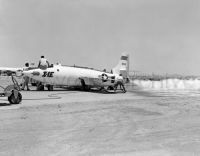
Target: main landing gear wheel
50,87
40,87
15,98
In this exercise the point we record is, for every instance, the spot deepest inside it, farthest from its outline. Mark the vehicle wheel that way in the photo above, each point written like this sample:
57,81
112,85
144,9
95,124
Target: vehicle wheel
40,87
50,87
15,100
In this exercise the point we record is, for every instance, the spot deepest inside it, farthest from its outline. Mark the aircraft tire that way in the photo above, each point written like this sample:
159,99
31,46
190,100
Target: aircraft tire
50,87
40,87
13,100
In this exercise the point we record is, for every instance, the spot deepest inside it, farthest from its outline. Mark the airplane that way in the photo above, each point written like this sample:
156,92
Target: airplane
84,77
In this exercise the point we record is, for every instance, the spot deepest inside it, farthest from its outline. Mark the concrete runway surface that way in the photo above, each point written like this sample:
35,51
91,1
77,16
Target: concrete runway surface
74,123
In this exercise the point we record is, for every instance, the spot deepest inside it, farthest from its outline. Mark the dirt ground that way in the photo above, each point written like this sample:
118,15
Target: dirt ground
74,123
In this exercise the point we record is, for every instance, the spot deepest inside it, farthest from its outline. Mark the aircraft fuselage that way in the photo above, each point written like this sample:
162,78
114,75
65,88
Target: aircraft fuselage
72,76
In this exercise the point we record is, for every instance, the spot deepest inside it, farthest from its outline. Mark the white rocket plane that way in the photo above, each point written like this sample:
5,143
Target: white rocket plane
87,78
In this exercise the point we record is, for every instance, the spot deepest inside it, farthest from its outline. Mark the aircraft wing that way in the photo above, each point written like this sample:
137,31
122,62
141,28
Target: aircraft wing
17,71
8,71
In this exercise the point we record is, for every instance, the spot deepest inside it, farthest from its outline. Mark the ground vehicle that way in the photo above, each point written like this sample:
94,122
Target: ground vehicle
9,87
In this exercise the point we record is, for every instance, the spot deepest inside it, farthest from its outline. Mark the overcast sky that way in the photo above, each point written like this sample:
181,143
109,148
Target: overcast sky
161,36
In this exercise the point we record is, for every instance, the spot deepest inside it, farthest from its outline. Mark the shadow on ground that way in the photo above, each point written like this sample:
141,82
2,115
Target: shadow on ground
5,104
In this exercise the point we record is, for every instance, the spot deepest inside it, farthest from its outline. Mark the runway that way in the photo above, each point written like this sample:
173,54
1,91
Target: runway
138,123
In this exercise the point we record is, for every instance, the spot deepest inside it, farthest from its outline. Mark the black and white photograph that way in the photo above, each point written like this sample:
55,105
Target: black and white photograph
99,77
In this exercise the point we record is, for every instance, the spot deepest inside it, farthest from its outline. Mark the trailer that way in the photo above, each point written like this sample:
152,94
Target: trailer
10,88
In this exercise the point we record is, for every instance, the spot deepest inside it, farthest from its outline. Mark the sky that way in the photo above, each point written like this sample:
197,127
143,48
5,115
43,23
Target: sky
161,36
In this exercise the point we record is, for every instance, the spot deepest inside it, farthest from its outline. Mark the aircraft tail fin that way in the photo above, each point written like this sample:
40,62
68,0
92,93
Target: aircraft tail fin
123,66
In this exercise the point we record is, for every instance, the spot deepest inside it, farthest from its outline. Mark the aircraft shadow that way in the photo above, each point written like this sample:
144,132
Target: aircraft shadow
94,91
78,90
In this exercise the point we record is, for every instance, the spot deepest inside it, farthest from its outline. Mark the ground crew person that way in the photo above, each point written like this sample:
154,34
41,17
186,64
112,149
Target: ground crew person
43,63
120,84
26,78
